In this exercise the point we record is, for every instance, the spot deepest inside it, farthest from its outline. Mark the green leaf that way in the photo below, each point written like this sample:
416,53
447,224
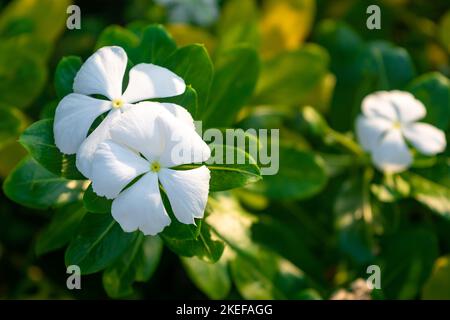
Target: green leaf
233,84
268,277
65,73
33,186
437,286
137,264
212,279
289,77
204,247
301,175
258,273
192,63
94,203
406,262
39,141
353,212
118,36
41,19
432,195
228,176
61,229
12,123
433,89
22,76
391,64
156,45
98,243
237,25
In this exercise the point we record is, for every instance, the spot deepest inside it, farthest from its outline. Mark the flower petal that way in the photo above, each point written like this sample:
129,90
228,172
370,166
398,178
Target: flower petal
425,138
153,131
187,191
114,167
102,73
73,118
86,151
149,81
392,154
141,207
177,111
182,144
378,105
408,108
370,130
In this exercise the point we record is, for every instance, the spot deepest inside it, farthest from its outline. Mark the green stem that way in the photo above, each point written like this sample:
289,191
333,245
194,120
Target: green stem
345,142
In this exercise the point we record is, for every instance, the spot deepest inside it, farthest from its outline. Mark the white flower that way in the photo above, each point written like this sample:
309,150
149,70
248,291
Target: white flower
147,144
102,74
388,118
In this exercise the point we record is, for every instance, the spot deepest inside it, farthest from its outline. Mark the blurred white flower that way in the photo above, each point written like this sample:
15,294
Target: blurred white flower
102,74
201,12
146,145
390,118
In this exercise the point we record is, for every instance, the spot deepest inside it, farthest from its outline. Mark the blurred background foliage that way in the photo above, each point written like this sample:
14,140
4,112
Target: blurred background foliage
305,233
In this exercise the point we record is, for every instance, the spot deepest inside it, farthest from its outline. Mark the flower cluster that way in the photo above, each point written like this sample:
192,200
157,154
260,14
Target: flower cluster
137,145
390,118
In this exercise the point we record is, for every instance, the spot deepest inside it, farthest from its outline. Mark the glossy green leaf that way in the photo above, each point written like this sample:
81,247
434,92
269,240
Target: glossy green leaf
192,63
94,203
353,212
118,36
33,186
433,195
137,264
433,89
233,84
301,175
39,141
187,100
406,262
98,243
62,228
213,279
156,45
204,247
289,77
65,73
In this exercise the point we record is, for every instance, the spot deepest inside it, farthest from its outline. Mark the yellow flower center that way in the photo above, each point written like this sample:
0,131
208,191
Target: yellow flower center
396,125
155,166
117,103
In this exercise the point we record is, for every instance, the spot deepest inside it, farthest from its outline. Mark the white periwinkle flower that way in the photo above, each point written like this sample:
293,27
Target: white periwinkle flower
390,118
102,74
147,143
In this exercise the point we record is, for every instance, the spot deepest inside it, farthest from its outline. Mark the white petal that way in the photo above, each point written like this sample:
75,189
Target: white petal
425,138
73,118
141,207
114,167
136,129
177,111
149,81
392,154
102,73
408,108
86,151
153,131
182,144
370,130
378,105
187,191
